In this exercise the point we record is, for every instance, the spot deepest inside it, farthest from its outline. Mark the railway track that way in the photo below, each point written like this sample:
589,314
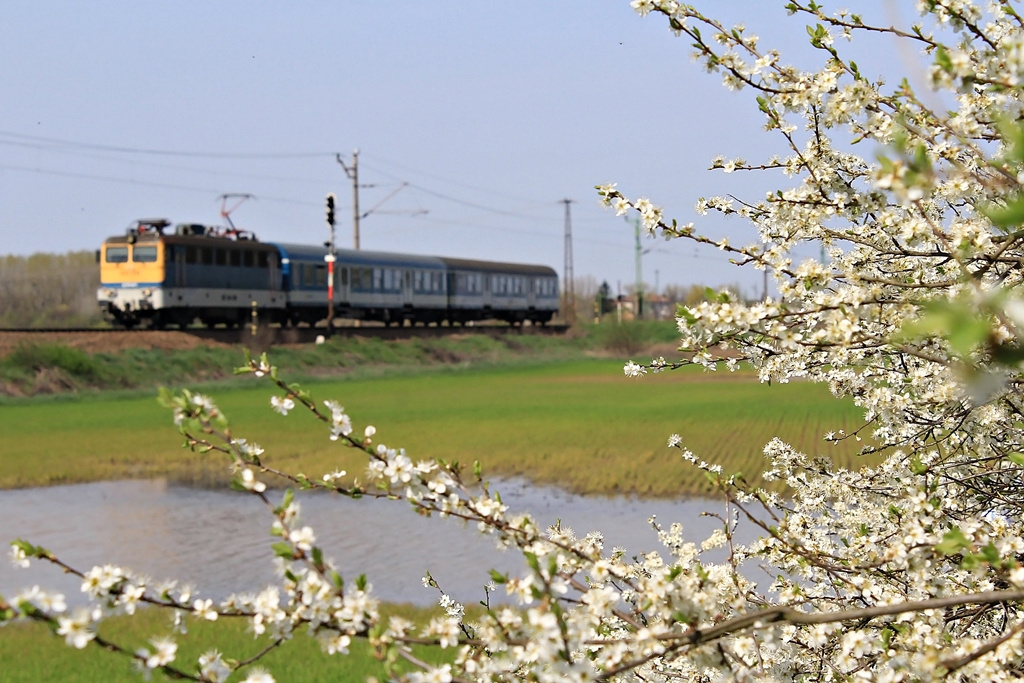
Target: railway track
265,336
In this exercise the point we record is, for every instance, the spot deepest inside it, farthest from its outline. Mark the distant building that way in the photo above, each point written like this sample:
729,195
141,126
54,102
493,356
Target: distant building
656,307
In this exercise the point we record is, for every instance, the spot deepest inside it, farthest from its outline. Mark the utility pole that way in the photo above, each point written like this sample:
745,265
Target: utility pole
331,257
569,287
353,173
639,269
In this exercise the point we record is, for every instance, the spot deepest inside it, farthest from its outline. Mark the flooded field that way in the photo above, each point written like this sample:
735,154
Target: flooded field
219,541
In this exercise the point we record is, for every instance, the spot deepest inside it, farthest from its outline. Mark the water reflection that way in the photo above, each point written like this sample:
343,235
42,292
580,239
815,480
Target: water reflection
219,540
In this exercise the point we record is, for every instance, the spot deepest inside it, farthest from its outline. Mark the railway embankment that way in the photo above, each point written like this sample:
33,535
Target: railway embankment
61,362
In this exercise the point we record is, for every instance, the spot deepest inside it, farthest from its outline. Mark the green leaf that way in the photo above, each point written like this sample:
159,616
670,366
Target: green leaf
1016,458
955,321
283,549
990,553
953,542
531,561
1009,216
942,59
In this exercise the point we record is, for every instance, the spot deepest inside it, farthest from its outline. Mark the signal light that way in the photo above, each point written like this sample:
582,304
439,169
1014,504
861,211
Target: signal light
330,209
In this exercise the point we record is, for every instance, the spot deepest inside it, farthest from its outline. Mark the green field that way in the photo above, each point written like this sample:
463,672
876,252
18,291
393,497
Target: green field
581,425
29,654
578,424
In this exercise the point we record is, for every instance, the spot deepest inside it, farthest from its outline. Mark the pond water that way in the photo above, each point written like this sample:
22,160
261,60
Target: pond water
219,541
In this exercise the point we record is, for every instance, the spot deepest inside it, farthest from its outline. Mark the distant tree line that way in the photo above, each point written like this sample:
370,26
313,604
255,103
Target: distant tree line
49,290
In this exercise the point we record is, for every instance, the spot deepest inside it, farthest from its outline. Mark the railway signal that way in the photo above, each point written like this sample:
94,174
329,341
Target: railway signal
330,209
330,258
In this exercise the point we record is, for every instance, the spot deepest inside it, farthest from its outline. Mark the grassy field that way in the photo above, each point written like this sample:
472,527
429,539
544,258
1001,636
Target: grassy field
29,654
581,425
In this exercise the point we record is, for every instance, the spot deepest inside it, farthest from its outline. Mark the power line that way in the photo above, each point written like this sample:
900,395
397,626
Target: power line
165,152
60,145
154,164
144,183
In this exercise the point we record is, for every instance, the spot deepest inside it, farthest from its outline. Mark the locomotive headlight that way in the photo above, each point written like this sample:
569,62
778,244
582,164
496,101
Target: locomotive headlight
147,292
111,294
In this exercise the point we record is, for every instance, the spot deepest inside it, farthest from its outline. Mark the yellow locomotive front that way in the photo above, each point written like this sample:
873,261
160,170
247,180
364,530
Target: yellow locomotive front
132,275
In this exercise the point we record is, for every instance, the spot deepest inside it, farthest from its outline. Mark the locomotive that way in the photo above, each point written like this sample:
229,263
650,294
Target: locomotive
158,274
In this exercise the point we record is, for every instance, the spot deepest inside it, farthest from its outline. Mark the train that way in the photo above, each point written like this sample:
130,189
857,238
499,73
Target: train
159,275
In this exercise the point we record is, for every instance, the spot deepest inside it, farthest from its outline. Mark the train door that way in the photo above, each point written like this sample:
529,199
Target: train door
407,289
487,290
179,265
342,284
274,274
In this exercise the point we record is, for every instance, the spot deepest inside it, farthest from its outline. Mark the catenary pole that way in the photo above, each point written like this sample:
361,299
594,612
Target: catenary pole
568,277
353,173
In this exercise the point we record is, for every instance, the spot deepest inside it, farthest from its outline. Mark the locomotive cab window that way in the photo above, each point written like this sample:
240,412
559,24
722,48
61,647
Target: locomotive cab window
117,254
144,254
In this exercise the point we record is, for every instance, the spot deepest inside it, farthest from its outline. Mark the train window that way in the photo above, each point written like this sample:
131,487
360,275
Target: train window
321,276
206,256
248,259
264,260
235,257
220,257
191,255
145,254
360,279
117,254
344,277
308,276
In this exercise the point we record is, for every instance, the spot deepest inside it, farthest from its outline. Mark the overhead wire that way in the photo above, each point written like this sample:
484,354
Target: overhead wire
164,152
144,183
63,146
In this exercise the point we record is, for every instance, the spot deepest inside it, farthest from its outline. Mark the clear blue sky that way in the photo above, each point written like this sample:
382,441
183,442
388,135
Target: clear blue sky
493,113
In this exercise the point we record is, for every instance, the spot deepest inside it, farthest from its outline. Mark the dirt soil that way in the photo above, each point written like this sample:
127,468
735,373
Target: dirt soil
107,342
